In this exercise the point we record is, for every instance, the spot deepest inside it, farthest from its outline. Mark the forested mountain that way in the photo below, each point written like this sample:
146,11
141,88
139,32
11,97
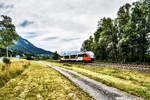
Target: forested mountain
27,47
125,38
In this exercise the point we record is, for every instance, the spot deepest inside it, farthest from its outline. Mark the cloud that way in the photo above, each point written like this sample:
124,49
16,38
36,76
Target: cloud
50,38
31,35
26,23
59,24
4,6
69,39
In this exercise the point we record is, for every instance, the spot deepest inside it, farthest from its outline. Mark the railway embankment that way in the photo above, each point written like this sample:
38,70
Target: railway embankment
142,68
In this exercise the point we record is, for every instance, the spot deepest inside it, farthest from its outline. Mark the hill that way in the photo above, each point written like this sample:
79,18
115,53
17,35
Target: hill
25,46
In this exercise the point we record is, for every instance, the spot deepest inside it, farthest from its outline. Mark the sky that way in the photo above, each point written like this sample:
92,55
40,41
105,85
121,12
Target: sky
58,25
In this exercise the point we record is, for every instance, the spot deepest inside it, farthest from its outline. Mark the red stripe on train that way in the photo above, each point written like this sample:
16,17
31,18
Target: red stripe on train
87,58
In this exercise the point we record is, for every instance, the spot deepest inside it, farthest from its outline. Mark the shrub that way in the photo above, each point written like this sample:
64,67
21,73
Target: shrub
69,65
3,68
29,58
55,56
25,66
6,60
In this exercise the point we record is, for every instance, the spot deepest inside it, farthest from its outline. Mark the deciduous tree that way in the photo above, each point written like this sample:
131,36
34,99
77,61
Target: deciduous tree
7,32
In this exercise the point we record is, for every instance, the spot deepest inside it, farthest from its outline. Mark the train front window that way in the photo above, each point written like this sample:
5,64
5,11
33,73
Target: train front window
82,55
85,55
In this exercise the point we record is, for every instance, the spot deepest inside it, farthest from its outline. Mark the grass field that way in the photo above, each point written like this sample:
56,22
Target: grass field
12,70
39,82
133,82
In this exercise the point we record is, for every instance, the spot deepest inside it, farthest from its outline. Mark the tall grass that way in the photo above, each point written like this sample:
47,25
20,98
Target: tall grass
12,70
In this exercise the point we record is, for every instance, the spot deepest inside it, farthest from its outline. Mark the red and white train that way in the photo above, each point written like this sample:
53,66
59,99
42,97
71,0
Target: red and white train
87,56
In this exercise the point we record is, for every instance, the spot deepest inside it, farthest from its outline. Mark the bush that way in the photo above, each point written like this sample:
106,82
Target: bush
29,58
3,68
55,56
6,60
69,65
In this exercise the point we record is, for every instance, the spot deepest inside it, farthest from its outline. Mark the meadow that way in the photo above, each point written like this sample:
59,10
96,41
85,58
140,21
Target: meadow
39,82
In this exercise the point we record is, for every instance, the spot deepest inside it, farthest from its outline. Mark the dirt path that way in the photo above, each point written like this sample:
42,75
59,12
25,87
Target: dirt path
0,60
95,89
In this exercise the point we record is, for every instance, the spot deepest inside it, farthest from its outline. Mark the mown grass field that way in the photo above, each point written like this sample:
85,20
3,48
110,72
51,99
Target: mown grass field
133,82
39,82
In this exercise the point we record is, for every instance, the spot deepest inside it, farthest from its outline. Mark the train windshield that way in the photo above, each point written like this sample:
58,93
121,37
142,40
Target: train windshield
91,54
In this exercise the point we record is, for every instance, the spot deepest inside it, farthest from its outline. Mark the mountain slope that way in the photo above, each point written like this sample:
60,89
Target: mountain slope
27,47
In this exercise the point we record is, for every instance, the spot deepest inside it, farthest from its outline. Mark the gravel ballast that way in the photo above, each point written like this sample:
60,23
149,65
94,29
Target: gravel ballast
131,67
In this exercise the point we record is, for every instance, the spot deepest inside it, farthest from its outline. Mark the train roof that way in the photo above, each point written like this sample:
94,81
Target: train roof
73,53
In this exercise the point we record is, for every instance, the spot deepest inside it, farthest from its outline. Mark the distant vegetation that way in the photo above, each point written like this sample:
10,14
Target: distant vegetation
11,53
125,38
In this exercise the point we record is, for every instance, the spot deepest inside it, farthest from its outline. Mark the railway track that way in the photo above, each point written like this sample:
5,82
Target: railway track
143,68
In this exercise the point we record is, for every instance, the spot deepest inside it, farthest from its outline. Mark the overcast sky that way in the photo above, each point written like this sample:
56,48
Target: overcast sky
58,25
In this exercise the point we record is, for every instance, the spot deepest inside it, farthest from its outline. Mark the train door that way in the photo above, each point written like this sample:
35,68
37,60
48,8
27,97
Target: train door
79,57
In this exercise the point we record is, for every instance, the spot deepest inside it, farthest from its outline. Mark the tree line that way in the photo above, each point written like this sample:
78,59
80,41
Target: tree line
125,38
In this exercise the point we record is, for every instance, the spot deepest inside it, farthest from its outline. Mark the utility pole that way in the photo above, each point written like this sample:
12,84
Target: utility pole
7,51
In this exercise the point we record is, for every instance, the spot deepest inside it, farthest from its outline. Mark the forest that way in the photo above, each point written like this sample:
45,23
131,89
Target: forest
125,38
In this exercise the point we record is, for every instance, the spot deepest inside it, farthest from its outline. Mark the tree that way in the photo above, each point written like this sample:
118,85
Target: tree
126,38
99,49
123,21
109,37
7,32
88,44
56,56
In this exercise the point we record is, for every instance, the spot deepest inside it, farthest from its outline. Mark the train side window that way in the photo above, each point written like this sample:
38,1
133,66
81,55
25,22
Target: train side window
66,57
73,56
